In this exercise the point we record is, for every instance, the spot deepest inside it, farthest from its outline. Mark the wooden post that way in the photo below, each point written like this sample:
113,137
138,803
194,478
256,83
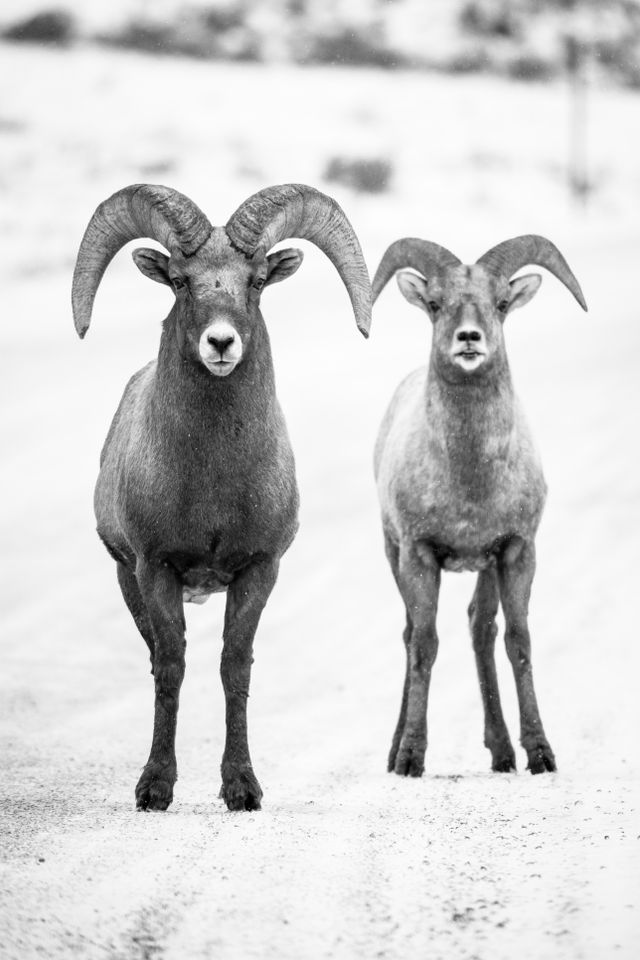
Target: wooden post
579,186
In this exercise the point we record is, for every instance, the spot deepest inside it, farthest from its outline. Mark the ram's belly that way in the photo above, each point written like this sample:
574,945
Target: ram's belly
462,534
467,556
473,563
199,582
467,531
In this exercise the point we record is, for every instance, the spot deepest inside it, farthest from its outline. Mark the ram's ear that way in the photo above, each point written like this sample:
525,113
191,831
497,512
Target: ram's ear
153,263
522,289
413,288
282,264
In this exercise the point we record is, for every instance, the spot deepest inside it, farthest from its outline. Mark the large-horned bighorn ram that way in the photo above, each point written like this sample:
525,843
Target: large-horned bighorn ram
460,483
197,492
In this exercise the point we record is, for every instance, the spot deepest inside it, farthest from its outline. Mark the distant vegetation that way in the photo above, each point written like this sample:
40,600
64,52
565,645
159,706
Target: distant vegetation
538,39
525,39
53,27
205,33
364,175
362,49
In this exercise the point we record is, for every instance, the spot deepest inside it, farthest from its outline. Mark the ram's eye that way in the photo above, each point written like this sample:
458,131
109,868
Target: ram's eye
177,283
258,283
502,306
433,306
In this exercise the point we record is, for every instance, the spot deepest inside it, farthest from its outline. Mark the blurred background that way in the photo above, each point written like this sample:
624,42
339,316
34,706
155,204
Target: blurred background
461,121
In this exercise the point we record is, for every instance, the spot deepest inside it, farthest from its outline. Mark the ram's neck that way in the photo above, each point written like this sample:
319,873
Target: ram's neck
472,422
192,398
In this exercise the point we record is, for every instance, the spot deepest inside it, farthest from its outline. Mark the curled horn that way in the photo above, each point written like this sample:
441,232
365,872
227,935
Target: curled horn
140,210
511,255
296,210
420,255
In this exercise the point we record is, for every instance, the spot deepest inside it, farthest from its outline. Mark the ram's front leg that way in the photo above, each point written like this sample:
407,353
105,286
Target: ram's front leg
246,599
516,568
162,595
419,582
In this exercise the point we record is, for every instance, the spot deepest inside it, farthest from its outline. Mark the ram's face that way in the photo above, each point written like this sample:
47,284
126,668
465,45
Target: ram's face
467,307
217,297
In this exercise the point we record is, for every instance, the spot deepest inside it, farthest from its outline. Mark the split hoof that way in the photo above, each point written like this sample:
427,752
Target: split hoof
506,765
503,759
240,789
155,787
408,761
541,759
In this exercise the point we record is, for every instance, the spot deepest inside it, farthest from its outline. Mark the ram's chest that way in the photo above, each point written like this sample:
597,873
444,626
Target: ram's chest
235,502
199,500
467,512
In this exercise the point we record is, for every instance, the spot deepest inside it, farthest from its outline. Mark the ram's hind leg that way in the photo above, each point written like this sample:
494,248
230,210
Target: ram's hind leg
397,736
137,609
482,622
393,555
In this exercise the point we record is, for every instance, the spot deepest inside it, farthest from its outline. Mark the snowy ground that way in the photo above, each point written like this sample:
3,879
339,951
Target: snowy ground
344,861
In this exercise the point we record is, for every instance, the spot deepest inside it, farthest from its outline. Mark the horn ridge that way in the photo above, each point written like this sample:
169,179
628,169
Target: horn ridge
421,255
509,256
139,210
297,210
261,220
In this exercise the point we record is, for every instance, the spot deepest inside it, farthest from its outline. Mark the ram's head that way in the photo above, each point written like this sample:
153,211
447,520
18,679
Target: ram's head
468,304
218,273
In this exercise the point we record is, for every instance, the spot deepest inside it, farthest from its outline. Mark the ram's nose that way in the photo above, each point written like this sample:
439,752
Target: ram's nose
220,343
468,335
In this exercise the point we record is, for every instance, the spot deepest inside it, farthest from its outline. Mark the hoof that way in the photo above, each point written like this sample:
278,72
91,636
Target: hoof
541,759
505,765
155,787
240,789
408,761
503,759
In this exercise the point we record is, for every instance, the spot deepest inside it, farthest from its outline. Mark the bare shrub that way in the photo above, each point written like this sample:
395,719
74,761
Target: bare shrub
54,27
211,33
530,66
364,175
348,48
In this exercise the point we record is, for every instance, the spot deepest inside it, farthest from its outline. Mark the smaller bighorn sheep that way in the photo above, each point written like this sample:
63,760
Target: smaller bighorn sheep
460,483
197,491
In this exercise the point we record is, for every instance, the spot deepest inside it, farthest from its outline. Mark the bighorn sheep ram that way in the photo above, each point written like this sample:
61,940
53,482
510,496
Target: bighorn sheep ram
460,483
196,492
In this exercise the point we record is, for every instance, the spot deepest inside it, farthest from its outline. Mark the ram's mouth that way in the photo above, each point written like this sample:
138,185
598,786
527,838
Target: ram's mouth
469,359
220,368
